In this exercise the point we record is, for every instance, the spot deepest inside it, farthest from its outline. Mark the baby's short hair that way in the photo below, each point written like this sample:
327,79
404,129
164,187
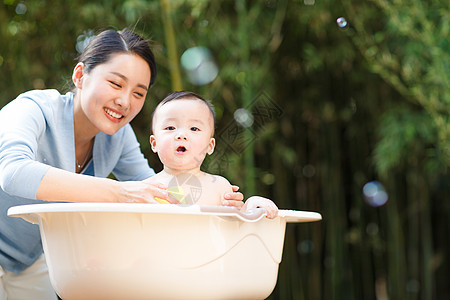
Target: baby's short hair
188,96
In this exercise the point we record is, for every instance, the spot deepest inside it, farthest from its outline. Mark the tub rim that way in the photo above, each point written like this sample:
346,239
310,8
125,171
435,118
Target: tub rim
30,212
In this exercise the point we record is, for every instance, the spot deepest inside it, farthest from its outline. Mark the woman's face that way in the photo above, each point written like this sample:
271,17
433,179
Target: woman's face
113,93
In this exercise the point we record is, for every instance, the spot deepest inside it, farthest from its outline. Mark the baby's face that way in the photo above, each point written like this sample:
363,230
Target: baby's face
182,134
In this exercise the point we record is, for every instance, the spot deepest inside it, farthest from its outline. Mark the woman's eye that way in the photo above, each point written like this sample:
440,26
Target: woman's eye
115,84
140,95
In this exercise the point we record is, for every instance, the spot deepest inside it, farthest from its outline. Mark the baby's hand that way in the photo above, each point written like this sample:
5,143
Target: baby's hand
261,202
233,199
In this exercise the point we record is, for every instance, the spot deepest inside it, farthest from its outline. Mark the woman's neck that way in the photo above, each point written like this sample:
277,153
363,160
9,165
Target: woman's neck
84,131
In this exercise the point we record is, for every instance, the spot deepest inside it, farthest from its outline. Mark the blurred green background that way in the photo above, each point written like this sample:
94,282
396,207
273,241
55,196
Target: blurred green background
315,99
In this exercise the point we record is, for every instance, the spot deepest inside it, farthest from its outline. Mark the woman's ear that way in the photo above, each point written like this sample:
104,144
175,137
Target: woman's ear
153,143
211,146
77,75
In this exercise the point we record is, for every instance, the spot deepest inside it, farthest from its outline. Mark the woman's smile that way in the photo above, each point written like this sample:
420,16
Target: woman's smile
113,116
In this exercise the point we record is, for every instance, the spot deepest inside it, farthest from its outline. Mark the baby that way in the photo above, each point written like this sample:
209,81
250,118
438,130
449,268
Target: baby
183,133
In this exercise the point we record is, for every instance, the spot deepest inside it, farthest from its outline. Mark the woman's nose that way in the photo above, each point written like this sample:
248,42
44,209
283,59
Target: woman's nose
123,101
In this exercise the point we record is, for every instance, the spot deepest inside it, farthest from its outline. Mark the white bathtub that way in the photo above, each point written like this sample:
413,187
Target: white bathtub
133,251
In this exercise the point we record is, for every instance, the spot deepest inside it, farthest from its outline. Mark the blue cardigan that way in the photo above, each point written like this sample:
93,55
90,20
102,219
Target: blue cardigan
36,132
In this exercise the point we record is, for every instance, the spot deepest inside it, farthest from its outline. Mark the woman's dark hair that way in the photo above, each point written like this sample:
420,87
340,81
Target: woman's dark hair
109,42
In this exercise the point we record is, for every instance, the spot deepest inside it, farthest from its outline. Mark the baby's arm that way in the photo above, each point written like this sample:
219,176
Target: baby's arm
260,202
253,202
222,185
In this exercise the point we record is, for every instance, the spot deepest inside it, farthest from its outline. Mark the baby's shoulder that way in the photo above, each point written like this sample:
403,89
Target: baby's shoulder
217,180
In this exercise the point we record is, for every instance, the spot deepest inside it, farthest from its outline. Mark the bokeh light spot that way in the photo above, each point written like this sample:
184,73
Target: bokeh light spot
21,8
268,179
375,194
13,28
83,40
199,65
243,117
341,22
309,171
305,247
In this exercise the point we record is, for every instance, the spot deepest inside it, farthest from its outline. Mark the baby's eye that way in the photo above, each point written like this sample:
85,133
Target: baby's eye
169,128
195,129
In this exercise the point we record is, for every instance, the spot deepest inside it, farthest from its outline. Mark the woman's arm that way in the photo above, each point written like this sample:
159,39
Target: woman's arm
61,185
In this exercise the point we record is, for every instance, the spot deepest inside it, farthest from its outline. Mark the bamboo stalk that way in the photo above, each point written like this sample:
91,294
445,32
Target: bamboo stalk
246,93
169,33
427,241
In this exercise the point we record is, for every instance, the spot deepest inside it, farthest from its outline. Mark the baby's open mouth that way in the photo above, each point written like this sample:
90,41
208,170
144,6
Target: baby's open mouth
181,149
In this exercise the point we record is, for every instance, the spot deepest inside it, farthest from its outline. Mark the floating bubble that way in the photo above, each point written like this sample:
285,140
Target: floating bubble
83,40
372,229
243,117
342,22
268,179
199,65
375,194
309,171
305,247
39,84
13,28
21,8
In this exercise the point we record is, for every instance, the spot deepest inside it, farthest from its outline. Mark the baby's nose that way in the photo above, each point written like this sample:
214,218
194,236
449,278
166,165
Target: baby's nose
181,135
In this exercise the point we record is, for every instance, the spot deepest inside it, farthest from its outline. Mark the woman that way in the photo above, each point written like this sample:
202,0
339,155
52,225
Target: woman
56,147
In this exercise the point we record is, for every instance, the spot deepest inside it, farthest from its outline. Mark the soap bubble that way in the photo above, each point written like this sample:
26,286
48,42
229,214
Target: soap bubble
342,22
83,40
305,247
199,65
372,229
375,193
243,117
309,171
21,8
13,28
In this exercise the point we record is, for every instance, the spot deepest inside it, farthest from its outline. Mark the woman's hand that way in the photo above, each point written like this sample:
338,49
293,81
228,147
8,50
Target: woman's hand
233,199
142,192
261,202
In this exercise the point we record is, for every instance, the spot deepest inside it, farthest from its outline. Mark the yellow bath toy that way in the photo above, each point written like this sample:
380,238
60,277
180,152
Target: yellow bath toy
174,191
162,201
